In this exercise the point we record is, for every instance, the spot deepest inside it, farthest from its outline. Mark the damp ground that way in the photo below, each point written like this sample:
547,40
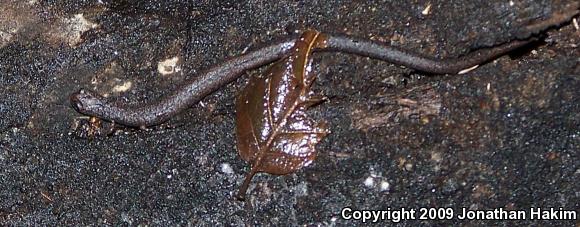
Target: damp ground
505,135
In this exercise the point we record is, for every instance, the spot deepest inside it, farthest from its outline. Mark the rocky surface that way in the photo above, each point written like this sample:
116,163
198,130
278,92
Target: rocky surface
506,135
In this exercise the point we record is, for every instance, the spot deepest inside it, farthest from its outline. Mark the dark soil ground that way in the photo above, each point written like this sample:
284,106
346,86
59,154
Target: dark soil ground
506,135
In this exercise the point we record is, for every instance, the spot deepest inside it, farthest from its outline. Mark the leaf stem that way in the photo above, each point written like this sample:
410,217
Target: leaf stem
242,191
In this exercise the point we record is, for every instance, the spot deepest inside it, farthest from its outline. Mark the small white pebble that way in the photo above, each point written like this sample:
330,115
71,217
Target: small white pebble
408,166
427,10
369,182
226,168
384,186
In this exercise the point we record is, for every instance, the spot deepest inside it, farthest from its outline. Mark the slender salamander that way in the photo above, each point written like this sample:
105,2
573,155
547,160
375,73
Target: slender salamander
193,91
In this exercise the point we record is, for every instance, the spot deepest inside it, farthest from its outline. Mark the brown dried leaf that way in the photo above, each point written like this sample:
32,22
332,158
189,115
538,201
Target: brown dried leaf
274,133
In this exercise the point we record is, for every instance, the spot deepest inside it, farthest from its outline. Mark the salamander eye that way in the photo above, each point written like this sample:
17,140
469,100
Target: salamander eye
78,106
76,102
77,98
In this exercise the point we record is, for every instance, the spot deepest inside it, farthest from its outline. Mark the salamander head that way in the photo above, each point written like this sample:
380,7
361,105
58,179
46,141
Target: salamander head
86,102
